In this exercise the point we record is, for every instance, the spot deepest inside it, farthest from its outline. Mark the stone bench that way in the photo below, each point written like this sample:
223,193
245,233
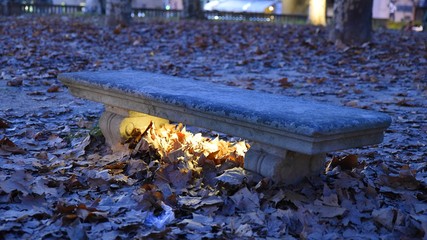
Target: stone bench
290,137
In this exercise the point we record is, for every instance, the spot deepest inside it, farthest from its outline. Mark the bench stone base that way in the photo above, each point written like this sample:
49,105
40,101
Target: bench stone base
281,165
117,124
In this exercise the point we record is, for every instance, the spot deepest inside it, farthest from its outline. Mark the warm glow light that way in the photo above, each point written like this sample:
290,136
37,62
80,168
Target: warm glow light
138,120
317,12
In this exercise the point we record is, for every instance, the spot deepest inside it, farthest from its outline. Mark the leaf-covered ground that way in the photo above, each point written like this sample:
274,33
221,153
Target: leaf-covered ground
58,180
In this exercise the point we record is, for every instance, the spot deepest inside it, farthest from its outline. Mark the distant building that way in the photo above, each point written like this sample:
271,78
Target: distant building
69,2
157,4
403,10
174,5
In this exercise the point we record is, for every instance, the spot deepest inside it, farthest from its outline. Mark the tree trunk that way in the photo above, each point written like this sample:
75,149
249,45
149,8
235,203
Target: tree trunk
5,6
352,23
118,12
193,9
317,12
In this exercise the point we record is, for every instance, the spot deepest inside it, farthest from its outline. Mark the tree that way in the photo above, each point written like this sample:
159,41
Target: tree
118,12
352,22
96,6
193,9
5,7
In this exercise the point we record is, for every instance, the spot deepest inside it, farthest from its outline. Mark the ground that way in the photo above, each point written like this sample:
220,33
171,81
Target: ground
59,180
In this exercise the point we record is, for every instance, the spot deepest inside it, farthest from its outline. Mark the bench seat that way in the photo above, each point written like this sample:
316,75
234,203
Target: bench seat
289,136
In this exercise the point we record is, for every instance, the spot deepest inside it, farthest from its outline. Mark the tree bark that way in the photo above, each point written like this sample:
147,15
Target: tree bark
193,9
352,22
118,12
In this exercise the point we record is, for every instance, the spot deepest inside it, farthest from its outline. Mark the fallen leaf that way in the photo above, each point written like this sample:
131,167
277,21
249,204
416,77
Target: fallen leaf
191,202
246,200
19,181
329,198
76,230
328,211
244,230
3,123
284,83
385,217
346,163
15,83
234,176
54,88
6,145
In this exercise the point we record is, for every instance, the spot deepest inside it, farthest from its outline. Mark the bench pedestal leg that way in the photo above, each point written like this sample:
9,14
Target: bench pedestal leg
281,165
117,124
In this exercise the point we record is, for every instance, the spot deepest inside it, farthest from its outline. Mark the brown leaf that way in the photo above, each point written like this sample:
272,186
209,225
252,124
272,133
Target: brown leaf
53,88
118,29
116,165
405,103
3,123
36,93
73,183
405,180
73,211
7,145
353,103
65,209
15,83
200,42
346,163
284,83
317,80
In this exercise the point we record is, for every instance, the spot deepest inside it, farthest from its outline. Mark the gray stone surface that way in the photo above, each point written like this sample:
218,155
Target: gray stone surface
21,100
279,121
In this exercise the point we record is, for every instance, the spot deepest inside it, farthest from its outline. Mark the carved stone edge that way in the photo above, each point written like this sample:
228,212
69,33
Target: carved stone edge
117,124
281,165
110,124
